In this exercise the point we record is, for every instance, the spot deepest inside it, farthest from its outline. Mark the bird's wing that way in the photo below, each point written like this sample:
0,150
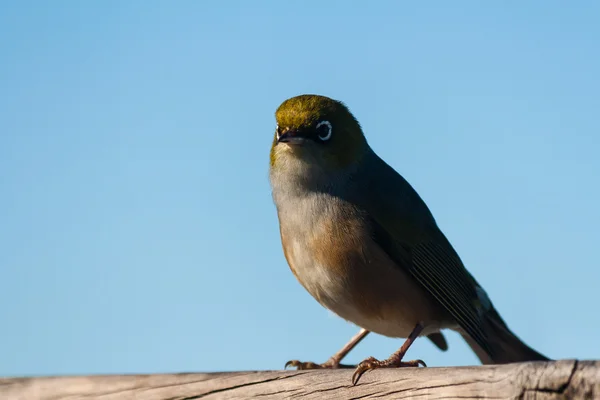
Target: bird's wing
404,227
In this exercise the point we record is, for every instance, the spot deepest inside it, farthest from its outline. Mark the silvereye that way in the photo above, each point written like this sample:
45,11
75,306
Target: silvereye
363,243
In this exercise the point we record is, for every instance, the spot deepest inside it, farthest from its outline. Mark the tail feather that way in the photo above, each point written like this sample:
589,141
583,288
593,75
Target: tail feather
506,346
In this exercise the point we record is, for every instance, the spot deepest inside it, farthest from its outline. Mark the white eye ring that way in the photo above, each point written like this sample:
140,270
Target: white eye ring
328,136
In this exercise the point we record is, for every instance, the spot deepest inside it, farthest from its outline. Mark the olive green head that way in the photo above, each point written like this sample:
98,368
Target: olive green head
318,130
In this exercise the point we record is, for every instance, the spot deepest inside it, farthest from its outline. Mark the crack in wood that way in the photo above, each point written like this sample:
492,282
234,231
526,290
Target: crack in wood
277,378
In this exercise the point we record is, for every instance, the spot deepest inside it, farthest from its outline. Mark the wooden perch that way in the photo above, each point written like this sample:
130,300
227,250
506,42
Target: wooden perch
566,379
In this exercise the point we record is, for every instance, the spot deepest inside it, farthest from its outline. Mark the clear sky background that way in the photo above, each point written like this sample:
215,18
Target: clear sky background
137,230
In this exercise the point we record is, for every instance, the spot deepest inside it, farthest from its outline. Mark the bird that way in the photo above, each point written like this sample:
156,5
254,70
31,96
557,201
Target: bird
363,243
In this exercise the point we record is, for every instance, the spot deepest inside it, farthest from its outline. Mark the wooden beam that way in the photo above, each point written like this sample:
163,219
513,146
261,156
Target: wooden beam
566,379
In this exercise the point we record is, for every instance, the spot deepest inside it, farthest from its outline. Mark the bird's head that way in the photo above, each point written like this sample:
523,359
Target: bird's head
318,132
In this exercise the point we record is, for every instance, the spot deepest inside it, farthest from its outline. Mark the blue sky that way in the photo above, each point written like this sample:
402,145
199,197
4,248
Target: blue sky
137,230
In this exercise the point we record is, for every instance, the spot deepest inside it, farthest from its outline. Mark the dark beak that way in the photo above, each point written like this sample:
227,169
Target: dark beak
291,136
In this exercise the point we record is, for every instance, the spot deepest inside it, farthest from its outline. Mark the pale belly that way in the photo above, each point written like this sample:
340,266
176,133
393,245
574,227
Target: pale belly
332,254
367,289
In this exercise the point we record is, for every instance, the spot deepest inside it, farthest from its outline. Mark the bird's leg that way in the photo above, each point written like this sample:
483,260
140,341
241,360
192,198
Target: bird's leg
334,361
395,360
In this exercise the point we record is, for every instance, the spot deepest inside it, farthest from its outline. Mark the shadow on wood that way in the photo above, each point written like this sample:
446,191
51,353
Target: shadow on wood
566,379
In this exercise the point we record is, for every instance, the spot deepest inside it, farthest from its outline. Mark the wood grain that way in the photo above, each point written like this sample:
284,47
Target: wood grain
565,379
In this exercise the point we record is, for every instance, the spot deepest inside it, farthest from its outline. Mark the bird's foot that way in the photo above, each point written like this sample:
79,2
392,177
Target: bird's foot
329,364
373,363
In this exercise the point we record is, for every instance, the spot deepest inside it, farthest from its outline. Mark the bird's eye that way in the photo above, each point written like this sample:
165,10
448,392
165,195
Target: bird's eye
324,130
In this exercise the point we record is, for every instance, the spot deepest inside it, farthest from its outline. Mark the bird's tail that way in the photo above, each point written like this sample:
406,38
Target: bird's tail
506,347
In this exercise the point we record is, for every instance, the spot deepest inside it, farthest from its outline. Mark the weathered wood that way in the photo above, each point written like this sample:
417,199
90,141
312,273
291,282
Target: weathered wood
566,379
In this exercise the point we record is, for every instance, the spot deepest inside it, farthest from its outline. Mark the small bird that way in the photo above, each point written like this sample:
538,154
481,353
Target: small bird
363,243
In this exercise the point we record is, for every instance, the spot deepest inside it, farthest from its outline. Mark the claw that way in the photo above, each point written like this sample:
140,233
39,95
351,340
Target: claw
373,363
356,376
362,368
